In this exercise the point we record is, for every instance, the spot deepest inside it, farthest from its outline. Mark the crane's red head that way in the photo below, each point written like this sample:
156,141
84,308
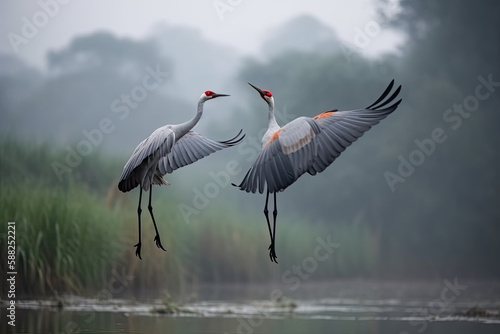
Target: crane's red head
207,95
265,94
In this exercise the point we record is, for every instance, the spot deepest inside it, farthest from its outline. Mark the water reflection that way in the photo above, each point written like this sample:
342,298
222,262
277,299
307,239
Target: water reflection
47,321
319,308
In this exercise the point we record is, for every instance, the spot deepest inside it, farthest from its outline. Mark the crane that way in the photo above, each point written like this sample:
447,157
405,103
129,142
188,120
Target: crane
168,148
307,145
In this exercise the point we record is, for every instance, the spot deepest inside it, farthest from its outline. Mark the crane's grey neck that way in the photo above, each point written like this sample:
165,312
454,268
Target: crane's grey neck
272,119
185,127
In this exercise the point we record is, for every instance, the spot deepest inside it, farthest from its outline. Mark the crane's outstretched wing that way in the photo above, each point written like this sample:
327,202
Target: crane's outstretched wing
339,129
311,144
192,147
146,155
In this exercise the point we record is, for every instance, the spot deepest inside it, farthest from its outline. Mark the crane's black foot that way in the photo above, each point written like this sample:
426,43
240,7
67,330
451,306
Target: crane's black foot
138,250
158,242
272,253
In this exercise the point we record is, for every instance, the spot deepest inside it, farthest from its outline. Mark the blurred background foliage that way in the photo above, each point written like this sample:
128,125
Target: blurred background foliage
443,220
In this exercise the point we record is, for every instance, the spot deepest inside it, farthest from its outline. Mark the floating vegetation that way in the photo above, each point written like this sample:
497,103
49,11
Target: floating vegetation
478,312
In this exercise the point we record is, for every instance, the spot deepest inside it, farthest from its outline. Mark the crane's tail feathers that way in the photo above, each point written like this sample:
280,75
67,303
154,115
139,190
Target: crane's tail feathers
380,103
159,180
235,140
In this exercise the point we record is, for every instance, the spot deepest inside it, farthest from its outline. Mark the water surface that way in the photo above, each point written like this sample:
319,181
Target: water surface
443,306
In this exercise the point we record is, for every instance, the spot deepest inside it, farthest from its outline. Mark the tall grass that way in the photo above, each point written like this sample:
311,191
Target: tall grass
66,239
66,236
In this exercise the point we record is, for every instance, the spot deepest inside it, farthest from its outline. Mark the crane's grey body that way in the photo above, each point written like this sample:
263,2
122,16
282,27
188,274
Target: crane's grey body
166,149
142,167
307,145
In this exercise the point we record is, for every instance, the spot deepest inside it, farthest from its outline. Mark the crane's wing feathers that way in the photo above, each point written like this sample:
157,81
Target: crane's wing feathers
192,147
312,144
146,154
341,129
283,158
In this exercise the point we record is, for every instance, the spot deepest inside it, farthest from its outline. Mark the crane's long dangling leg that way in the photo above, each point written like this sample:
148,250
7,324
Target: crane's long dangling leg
272,251
266,213
150,208
139,210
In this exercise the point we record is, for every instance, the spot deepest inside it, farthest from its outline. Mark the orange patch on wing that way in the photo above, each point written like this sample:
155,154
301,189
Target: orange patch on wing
325,114
274,136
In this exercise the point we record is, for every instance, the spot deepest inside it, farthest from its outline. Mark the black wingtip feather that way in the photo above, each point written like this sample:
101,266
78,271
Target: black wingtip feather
384,94
380,101
389,100
235,140
127,184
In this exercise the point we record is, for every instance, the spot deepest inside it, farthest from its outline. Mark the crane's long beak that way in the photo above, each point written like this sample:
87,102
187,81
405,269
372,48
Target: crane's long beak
257,89
219,95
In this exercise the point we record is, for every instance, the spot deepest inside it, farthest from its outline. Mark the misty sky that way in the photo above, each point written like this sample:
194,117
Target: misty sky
241,24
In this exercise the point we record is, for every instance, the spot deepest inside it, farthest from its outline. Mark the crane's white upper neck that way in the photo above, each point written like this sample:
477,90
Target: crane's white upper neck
272,118
273,125
185,127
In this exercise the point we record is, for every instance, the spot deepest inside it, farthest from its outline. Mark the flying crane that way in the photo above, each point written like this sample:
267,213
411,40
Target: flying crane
165,150
307,145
